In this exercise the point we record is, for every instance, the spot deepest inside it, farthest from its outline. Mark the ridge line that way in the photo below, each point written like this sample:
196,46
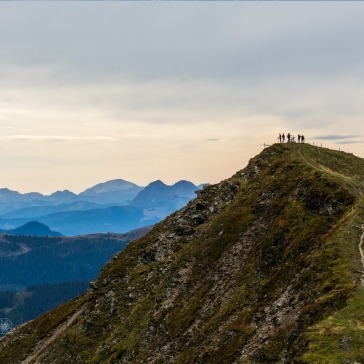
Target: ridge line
357,187
362,254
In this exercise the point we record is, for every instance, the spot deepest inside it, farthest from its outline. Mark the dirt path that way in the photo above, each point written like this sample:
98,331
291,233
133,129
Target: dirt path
362,254
35,357
357,187
23,250
355,184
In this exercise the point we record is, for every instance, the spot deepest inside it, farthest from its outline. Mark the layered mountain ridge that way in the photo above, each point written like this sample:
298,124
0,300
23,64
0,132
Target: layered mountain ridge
117,206
100,193
264,267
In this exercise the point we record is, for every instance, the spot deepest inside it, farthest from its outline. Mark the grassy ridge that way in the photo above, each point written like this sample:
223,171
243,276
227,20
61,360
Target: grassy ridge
339,338
261,268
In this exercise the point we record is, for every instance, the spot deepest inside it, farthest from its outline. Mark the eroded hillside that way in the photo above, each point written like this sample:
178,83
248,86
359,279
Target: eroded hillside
264,267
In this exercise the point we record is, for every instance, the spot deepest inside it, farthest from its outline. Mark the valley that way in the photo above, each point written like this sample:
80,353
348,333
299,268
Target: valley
39,273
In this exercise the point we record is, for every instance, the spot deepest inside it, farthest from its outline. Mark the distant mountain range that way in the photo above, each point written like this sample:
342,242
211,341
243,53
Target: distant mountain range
32,228
116,191
113,206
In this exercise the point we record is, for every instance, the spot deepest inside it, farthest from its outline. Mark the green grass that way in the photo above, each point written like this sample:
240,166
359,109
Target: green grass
340,337
28,336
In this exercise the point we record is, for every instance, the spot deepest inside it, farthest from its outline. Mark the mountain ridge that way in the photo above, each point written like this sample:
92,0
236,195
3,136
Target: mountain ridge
115,185
65,211
158,193
262,267
32,228
66,196
111,191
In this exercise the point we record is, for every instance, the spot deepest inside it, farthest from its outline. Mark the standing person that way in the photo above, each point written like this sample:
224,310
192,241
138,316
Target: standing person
288,137
283,137
280,138
302,139
299,138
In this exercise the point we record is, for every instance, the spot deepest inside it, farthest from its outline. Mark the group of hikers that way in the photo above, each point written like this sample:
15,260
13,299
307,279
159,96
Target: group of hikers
290,138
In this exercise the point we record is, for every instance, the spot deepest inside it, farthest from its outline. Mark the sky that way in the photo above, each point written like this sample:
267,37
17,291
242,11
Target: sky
97,90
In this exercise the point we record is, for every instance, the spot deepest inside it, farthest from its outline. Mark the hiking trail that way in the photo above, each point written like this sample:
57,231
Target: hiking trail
359,190
362,254
36,355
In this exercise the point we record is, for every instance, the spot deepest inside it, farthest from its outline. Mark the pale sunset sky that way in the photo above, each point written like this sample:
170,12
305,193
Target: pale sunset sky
92,91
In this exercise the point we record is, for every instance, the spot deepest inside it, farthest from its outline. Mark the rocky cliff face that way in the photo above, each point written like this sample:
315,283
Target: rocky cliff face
260,268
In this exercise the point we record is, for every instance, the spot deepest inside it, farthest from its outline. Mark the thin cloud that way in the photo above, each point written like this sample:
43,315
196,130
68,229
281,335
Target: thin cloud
141,136
213,139
336,137
55,137
341,138
350,142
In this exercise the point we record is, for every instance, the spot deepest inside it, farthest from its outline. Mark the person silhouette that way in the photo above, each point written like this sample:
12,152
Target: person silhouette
299,138
302,139
288,137
283,137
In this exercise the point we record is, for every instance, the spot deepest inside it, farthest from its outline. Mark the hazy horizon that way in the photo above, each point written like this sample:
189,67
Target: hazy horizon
95,91
97,183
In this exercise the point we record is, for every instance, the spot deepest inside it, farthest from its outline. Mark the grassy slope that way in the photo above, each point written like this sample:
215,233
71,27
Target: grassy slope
18,346
339,338
272,276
